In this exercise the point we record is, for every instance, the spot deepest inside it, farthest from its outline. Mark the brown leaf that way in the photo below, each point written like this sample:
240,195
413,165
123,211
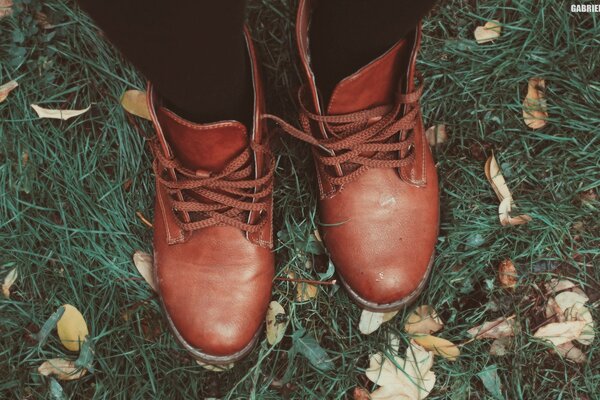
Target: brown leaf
488,32
560,332
58,114
42,20
424,320
144,263
6,8
134,102
507,274
535,108
361,394
436,135
62,369
498,328
6,89
570,352
9,280
439,346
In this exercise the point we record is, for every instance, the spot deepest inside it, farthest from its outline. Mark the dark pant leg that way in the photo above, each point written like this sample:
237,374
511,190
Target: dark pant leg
347,34
193,51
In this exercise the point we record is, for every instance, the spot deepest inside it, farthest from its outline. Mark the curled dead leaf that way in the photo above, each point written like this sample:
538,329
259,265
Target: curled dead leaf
6,89
360,394
439,346
144,263
72,329
436,135
9,280
507,274
504,210
58,114
488,32
62,369
371,321
275,323
535,108
498,328
134,102
570,352
424,319
496,179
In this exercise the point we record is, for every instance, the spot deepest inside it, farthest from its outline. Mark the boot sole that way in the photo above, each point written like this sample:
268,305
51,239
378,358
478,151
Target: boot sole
196,353
395,306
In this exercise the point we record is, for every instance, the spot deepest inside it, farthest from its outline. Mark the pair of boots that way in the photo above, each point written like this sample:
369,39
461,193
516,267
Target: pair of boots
378,206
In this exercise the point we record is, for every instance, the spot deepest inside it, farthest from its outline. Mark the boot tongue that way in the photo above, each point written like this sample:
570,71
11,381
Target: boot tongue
373,85
207,147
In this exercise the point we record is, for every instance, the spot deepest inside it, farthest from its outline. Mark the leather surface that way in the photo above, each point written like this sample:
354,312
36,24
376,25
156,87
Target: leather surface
380,229
215,283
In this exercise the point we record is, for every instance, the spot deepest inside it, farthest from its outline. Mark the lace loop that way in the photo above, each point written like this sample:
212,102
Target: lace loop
201,198
378,137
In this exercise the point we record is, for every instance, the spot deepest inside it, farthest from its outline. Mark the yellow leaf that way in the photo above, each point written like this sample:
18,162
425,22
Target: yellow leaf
62,369
560,332
9,280
436,135
535,108
507,274
488,32
439,346
423,320
71,327
496,179
58,114
144,263
275,328
134,102
215,368
371,321
6,89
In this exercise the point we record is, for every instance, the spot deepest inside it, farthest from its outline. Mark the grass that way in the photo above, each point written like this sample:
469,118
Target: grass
71,190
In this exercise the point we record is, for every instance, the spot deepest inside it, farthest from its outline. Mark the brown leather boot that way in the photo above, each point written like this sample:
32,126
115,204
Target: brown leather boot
377,180
213,228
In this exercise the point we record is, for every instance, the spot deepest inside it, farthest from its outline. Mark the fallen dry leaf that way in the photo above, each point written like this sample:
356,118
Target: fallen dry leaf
579,312
413,380
568,299
134,102
58,114
499,347
6,89
304,291
274,325
436,135
9,280
498,328
62,369
488,32
439,346
535,108
6,8
42,20
215,368
507,274
144,263
570,352
424,320
371,321
72,329
504,210
560,332
496,179
361,394
556,285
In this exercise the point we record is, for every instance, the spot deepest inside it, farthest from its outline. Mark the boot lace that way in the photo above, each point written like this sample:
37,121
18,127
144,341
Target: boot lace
201,199
378,137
